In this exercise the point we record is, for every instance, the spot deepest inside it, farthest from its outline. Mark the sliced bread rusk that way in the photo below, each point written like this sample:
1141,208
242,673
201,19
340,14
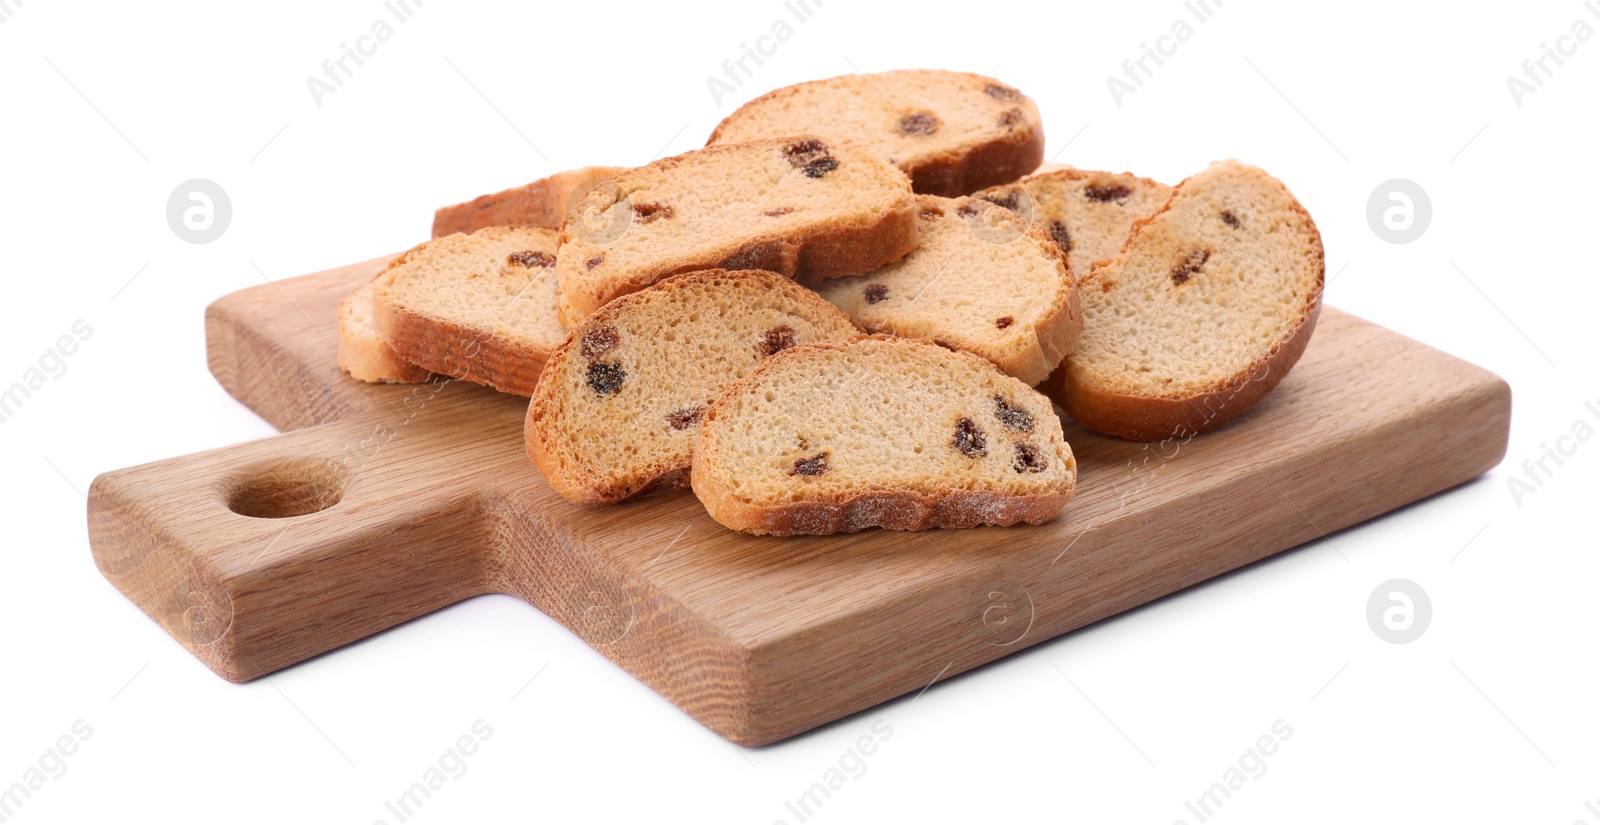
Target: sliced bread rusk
1088,214
620,402
478,307
953,133
880,431
362,351
795,206
982,279
542,203
1206,309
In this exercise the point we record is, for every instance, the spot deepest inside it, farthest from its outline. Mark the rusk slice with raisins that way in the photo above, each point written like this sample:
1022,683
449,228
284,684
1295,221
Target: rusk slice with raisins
616,412
982,279
1206,309
362,351
1088,214
953,133
542,203
478,307
880,431
795,206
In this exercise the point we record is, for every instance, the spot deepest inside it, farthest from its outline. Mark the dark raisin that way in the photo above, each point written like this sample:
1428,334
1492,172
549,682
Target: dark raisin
1059,234
1101,194
1190,265
931,212
1010,118
531,258
777,213
598,341
813,466
594,262
811,157
820,167
1002,92
1002,323
919,123
1030,460
1012,415
686,418
605,377
777,339
876,292
1007,201
1230,219
647,212
969,439
967,210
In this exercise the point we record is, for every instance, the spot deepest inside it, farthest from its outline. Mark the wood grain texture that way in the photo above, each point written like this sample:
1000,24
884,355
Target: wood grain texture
429,498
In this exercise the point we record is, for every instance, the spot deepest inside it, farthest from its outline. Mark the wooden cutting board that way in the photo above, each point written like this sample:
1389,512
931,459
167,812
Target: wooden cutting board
381,503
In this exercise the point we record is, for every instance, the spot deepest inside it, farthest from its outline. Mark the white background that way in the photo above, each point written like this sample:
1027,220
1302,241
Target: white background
1489,717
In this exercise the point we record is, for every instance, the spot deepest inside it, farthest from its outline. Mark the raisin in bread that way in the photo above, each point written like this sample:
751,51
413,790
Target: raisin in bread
982,279
1206,309
620,402
479,307
796,206
362,351
880,431
1088,214
953,133
542,203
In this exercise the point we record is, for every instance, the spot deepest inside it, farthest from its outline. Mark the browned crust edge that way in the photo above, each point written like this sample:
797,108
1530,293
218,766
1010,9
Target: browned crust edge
826,251
573,482
898,509
992,163
1140,418
949,174
449,348
542,203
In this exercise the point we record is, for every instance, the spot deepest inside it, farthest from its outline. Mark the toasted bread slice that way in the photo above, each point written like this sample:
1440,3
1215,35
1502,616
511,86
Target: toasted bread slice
880,431
796,206
542,203
1088,214
478,307
620,402
953,133
981,279
362,351
1206,309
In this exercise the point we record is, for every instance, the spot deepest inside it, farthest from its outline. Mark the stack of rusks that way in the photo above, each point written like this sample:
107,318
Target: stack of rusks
858,306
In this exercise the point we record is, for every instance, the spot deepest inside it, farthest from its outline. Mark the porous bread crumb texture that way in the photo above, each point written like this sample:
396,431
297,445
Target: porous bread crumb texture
618,408
952,133
1208,306
880,431
798,206
362,351
981,279
1087,213
478,307
544,202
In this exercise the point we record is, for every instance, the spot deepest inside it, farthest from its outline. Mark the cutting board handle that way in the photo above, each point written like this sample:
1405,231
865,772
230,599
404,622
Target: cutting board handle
256,555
